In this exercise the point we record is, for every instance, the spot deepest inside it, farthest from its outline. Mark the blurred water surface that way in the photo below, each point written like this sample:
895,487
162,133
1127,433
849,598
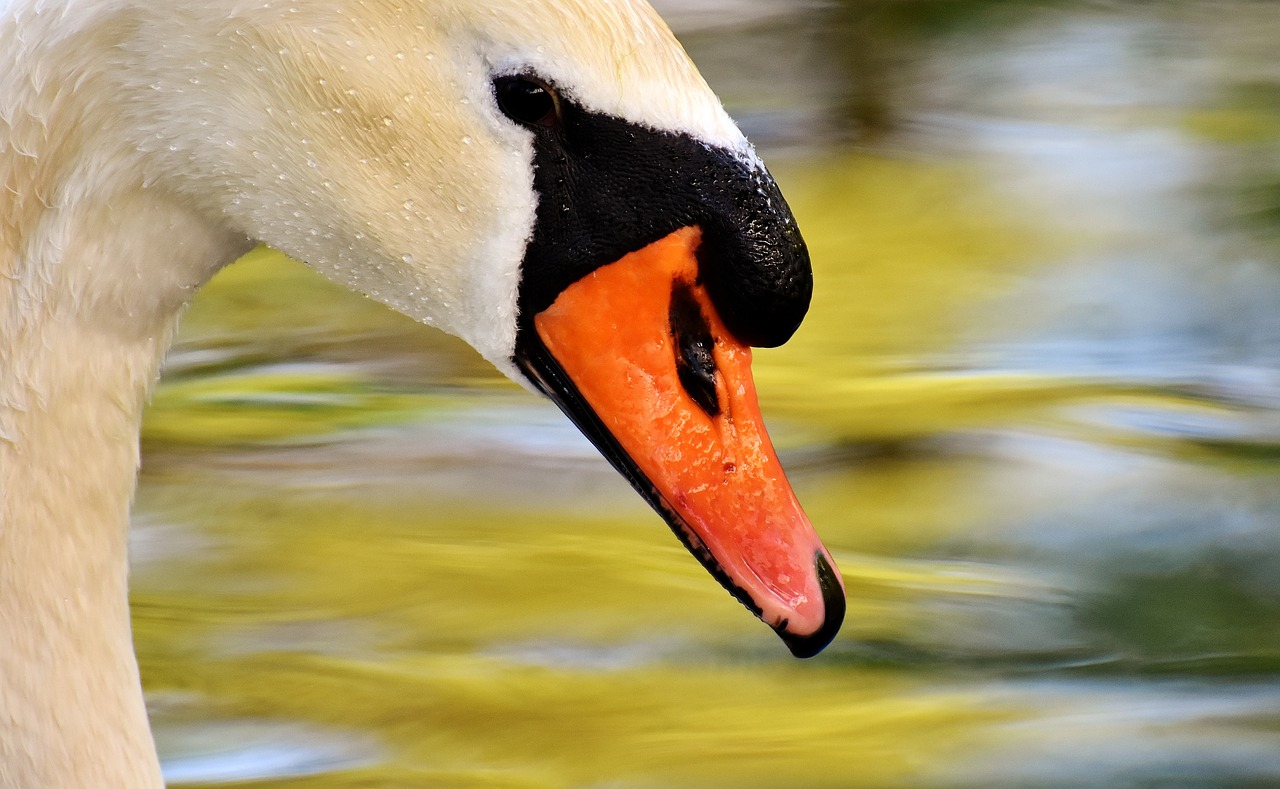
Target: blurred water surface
1034,412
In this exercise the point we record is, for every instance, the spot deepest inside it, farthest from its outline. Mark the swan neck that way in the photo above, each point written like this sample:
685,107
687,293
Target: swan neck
94,271
88,308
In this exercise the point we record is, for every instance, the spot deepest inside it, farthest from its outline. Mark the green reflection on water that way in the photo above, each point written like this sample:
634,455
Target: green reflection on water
1057,527
449,666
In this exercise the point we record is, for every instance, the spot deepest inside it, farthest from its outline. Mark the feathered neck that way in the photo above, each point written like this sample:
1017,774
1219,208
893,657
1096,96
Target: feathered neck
93,273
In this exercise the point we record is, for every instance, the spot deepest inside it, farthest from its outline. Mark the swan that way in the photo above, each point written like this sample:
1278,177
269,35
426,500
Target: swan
551,181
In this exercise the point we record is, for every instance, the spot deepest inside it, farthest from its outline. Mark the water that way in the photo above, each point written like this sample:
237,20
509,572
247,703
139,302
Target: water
1034,412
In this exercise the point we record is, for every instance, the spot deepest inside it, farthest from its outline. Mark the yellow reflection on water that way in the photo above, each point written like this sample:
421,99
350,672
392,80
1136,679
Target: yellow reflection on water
508,651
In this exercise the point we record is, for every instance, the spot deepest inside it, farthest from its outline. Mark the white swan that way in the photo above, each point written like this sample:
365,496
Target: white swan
552,181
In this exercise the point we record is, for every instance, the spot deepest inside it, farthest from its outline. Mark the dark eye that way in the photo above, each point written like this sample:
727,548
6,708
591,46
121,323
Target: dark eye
527,101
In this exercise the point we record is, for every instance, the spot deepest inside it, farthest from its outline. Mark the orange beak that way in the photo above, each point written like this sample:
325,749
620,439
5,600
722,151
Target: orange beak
637,356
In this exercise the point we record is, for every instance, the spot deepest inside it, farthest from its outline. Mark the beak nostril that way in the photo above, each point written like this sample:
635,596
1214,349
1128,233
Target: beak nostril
693,344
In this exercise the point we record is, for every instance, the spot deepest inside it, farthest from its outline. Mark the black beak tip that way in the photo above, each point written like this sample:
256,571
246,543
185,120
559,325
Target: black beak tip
807,646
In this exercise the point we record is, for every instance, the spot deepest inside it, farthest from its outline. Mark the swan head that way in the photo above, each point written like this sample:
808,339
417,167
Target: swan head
553,182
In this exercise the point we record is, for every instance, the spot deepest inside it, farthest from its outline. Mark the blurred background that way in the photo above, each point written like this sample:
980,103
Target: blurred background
1034,412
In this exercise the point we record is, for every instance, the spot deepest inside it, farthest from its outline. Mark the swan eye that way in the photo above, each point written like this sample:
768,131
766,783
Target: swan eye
527,101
